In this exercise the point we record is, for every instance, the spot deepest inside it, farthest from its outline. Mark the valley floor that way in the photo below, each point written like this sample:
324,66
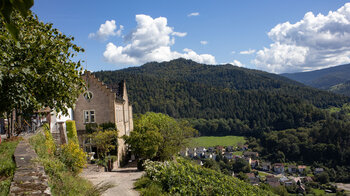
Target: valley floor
122,178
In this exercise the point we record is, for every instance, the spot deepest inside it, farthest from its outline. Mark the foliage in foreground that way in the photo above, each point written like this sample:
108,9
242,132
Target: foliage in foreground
37,70
158,136
62,179
184,178
7,165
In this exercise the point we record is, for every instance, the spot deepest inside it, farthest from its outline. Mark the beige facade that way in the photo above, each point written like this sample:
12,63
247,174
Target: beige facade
100,104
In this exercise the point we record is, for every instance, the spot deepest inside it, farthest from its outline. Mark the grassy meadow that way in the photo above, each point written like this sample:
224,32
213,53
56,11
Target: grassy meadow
208,141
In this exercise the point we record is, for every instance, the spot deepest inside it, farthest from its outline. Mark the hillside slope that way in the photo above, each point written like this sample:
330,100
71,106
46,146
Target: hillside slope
335,79
242,100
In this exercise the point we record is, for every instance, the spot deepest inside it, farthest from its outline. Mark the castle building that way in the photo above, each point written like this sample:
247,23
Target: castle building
102,104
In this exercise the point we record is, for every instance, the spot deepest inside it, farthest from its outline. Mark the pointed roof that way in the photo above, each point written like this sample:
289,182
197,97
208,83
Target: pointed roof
119,91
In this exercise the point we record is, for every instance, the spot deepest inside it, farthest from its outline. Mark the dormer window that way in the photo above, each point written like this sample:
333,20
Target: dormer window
88,95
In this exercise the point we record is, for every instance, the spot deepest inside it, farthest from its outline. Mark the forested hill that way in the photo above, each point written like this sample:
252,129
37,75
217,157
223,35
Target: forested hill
335,79
225,99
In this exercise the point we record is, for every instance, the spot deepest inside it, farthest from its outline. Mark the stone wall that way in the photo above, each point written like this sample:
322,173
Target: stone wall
30,177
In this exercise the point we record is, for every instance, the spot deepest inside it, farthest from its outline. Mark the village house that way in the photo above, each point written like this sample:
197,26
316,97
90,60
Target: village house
248,159
228,155
102,104
278,168
230,149
254,163
208,155
220,149
244,147
272,181
192,152
292,169
253,179
211,149
266,166
318,170
213,156
184,152
253,155
200,150
301,168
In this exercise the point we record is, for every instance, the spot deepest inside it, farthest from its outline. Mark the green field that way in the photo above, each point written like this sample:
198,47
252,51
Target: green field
211,141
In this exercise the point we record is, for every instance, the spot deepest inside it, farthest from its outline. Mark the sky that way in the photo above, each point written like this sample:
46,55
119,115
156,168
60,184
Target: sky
272,35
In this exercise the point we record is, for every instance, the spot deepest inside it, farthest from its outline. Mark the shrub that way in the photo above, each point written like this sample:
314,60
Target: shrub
49,141
148,187
104,141
73,157
91,127
72,131
108,126
180,177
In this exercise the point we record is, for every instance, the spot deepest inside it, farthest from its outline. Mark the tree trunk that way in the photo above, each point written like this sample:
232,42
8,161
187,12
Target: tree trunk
8,125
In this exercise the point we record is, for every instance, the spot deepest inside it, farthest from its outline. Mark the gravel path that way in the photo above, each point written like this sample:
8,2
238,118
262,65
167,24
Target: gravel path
122,178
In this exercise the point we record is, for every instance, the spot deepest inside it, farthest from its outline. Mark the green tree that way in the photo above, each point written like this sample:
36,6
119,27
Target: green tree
104,141
323,177
158,136
241,165
9,6
37,71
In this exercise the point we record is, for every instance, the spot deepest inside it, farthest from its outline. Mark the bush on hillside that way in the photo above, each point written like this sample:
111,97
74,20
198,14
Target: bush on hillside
49,141
73,157
181,177
72,131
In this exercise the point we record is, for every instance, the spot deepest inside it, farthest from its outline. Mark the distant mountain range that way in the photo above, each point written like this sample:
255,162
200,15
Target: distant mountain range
228,99
335,79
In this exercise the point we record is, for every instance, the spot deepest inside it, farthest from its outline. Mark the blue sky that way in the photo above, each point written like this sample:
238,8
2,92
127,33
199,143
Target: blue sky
272,35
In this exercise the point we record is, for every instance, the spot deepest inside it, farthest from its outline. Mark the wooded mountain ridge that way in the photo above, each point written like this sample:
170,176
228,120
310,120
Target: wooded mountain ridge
335,79
238,97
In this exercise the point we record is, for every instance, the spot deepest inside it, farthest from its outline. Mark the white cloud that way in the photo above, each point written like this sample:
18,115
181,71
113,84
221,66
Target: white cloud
204,42
179,34
250,51
108,29
314,42
150,41
233,52
237,63
193,14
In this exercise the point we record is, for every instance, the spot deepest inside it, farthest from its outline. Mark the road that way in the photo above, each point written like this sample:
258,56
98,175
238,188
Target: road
122,178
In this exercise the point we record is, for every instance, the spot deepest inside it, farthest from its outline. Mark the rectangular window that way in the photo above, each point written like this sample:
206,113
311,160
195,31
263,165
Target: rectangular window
92,116
119,112
126,115
86,116
89,116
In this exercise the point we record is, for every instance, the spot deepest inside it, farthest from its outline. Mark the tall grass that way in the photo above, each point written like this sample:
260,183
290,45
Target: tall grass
7,165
